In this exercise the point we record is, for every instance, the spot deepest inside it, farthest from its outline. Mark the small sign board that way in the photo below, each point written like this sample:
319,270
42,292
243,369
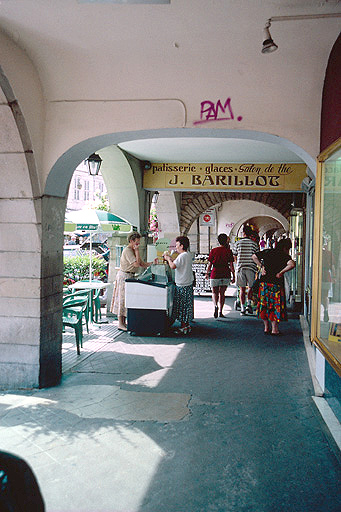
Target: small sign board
208,218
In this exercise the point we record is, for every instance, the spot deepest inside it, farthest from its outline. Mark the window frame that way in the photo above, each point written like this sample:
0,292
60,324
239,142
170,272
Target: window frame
329,351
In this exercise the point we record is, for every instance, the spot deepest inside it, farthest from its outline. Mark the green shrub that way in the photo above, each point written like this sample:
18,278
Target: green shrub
77,268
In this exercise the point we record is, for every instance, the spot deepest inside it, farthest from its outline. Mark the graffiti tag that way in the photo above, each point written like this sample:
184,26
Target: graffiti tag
218,111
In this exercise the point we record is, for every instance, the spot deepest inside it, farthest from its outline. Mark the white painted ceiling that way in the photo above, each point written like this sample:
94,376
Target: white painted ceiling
203,150
103,50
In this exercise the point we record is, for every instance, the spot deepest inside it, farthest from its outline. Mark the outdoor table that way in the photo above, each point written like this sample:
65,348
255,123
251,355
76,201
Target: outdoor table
90,286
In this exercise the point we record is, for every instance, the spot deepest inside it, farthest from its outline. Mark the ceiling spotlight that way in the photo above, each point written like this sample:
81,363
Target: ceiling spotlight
268,43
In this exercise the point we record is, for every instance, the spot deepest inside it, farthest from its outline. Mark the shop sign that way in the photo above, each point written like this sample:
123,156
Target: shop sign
87,227
213,176
208,218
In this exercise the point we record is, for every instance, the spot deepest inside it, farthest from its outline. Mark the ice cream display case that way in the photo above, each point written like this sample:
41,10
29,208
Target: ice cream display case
149,301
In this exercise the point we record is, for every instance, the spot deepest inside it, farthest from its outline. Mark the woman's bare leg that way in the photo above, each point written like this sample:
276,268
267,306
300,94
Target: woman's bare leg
266,325
215,298
274,325
222,290
122,322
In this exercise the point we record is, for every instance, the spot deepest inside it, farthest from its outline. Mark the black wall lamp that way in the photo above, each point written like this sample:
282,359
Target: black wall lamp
147,165
94,162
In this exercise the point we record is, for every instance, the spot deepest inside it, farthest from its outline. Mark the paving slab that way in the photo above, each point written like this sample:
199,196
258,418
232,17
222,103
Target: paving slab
222,420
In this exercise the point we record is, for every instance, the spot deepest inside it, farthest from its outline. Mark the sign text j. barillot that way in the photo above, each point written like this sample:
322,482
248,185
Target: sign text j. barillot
213,176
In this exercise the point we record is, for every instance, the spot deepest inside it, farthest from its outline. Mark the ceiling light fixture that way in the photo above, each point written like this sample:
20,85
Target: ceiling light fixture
268,44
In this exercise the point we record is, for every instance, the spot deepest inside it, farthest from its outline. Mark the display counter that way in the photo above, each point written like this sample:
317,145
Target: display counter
149,301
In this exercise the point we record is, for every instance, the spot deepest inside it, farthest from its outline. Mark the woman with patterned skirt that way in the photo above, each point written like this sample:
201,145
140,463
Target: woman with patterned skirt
183,294
274,264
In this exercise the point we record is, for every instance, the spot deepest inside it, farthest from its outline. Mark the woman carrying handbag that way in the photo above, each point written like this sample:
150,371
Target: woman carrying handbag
271,305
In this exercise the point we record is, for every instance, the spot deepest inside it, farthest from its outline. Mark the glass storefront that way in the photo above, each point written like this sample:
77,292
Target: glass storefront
296,235
326,321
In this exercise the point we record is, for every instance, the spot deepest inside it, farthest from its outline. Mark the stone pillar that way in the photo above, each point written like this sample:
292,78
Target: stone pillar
20,255
19,288
53,212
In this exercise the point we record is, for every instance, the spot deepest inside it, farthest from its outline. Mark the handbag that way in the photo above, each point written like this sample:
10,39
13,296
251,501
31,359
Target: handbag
255,286
257,281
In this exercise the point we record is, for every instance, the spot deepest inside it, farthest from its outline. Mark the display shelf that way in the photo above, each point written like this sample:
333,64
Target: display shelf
199,268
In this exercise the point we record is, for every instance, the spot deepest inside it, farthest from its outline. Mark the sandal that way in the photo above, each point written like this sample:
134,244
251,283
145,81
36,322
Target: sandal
183,330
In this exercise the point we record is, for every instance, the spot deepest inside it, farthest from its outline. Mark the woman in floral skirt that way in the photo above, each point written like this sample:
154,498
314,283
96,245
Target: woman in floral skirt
183,294
274,264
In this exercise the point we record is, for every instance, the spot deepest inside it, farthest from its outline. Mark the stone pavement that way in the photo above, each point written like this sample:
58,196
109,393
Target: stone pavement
220,421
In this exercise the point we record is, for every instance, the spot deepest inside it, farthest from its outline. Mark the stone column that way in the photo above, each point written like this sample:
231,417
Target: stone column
53,212
20,257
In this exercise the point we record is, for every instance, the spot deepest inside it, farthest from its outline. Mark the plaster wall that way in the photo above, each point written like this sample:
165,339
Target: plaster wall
147,82
167,213
70,123
120,183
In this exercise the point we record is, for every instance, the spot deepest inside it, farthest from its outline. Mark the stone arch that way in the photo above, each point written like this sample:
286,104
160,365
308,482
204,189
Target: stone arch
276,222
195,203
20,264
61,171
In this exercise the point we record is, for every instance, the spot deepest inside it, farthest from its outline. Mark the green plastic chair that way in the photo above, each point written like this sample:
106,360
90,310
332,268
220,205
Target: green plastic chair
96,303
81,294
73,312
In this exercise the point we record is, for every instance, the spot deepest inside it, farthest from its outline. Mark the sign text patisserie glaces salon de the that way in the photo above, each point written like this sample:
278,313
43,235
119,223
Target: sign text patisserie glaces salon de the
225,176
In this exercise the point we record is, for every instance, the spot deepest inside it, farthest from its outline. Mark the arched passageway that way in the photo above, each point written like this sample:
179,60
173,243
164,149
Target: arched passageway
37,308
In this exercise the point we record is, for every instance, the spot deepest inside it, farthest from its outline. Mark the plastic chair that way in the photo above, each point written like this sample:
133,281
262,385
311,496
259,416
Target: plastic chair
76,295
73,312
97,305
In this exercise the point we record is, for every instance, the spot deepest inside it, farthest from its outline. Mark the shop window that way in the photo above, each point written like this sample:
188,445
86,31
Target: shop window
326,321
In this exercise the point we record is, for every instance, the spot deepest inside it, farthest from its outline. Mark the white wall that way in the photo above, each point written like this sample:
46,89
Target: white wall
237,212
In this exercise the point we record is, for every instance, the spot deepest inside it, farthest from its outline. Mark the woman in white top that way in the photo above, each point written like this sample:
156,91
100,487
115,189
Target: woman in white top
129,263
183,295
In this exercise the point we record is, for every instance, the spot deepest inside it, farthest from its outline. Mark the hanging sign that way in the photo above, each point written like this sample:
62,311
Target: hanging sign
208,218
243,177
